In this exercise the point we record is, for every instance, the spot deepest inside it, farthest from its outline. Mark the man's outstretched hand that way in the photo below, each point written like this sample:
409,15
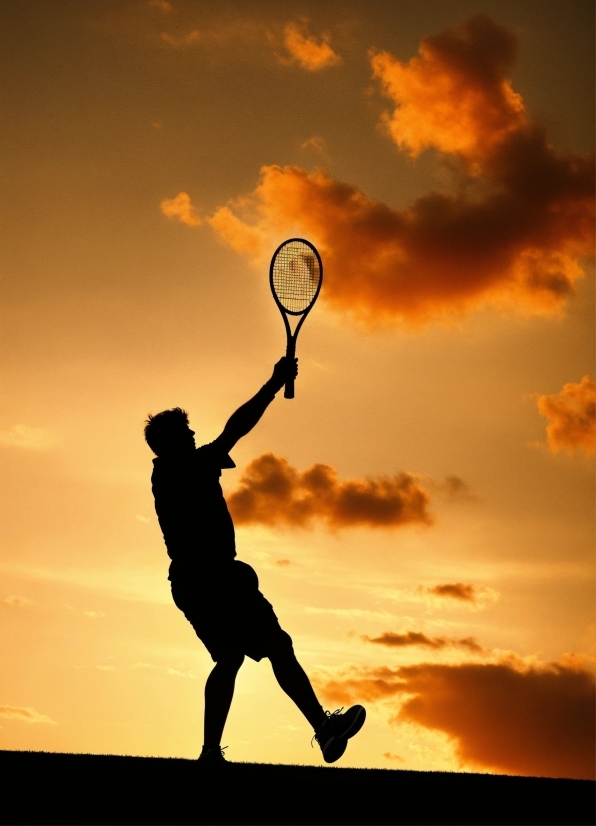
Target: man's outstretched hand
285,369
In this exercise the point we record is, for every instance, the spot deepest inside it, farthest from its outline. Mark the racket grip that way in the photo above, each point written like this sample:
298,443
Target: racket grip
289,391
290,354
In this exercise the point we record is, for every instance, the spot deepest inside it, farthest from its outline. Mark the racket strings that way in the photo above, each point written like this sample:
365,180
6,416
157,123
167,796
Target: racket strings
296,276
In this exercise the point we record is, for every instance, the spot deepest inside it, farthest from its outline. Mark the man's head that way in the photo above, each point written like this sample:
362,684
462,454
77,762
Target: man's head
168,434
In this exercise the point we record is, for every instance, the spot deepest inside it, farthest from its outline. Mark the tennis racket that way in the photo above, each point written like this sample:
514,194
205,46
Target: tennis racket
295,276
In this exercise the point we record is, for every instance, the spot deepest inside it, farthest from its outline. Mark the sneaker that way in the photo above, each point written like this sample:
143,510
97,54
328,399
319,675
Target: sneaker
213,756
333,735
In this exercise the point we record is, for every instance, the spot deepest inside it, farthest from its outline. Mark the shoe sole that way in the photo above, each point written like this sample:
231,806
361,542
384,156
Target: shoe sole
343,738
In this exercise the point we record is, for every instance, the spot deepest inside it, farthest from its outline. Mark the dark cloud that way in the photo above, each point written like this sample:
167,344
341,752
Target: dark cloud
505,717
409,638
389,756
455,489
464,591
274,493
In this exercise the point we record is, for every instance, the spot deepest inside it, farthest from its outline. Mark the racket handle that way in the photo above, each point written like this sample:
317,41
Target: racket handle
290,354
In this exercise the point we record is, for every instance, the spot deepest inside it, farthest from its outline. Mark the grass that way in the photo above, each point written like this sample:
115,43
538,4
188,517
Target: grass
42,788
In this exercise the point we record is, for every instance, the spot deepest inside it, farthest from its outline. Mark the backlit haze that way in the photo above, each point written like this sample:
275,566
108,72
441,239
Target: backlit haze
421,514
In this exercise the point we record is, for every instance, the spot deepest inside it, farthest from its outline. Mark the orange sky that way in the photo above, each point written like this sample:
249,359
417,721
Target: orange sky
421,514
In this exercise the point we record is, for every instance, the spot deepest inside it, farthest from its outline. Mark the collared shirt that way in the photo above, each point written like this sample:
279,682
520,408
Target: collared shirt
191,509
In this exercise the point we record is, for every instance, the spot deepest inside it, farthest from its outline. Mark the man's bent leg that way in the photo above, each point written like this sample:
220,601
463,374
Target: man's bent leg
293,680
219,690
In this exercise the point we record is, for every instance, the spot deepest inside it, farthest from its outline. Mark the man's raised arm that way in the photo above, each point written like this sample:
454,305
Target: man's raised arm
245,418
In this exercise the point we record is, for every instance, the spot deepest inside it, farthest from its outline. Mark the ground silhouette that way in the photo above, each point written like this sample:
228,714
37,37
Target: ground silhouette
42,788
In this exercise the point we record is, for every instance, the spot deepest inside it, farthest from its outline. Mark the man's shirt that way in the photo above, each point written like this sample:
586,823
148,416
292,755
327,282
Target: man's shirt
191,509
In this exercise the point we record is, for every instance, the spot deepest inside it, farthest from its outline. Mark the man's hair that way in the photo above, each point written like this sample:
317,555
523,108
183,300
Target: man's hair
159,427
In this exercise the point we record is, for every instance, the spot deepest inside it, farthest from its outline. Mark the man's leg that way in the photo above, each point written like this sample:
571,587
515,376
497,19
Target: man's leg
332,731
293,680
219,690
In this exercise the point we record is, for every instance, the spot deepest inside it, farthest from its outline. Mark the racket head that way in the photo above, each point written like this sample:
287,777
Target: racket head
295,276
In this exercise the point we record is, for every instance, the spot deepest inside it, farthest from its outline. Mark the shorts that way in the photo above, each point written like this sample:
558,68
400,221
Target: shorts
227,611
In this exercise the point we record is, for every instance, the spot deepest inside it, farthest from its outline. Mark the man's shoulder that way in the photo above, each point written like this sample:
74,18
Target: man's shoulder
214,455
204,459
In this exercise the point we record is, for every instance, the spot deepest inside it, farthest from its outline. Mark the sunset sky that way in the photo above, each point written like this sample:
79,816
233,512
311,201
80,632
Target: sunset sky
421,514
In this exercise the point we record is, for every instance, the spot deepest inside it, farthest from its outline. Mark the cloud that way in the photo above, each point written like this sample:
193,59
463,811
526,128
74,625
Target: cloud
391,756
14,601
241,237
506,717
572,414
306,51
25,715
316,143
23,436
448,594
361,613
464,591
455,489
162,5
90,614
511,237
409,638
139,584
173,672
287,44
274,493
282,562
181,209
474,597
182,40
456,96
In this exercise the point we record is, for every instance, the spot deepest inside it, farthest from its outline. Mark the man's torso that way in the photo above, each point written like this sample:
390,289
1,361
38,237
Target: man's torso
191,509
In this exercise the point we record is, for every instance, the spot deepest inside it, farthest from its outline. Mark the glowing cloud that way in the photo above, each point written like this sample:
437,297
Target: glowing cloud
306,51
456,95
572,414
243,238
25,715
505,717
274,493
516,245
181,209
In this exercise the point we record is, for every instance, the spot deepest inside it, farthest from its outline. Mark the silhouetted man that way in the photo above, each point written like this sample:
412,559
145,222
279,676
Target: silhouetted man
218,594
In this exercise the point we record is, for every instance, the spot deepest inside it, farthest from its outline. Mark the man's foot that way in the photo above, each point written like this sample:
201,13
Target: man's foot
212,756
333,735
